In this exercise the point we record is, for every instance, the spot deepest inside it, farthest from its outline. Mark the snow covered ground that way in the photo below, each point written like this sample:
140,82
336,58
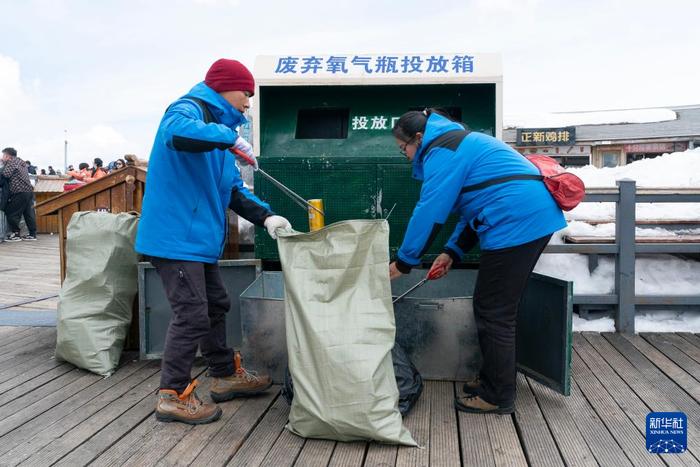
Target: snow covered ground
655,274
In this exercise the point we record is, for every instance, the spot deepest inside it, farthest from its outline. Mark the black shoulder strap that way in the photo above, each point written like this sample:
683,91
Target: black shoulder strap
208,116
497,181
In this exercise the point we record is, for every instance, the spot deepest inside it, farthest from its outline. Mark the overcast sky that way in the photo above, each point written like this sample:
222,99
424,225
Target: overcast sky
106,70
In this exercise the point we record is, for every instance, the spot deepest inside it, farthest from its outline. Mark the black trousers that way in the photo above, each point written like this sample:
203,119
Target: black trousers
199,303
21,204
503,276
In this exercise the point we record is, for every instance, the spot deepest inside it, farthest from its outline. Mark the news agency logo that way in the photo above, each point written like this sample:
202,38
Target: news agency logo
667,432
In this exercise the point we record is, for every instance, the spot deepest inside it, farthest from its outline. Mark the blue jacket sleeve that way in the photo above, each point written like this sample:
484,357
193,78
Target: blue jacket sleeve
247,205
184,130
443,180
461,241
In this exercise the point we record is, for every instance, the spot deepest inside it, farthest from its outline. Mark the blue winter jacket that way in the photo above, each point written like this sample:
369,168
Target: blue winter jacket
191,177
501,216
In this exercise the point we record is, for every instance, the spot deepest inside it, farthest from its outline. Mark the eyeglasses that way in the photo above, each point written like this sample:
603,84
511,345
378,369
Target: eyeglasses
402,148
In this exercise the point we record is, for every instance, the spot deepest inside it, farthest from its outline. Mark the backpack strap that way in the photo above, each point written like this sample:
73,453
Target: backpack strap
208,116
498,181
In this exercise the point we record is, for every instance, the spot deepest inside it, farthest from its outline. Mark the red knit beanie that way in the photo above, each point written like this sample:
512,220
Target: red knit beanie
229,75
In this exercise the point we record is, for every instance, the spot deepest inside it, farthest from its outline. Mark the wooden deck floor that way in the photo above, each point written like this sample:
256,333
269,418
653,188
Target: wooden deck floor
52,413
30,272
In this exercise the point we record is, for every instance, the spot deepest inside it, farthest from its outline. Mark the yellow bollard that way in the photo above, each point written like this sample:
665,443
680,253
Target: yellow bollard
316,219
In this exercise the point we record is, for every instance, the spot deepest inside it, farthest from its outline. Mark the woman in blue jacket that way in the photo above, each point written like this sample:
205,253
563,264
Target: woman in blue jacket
512,221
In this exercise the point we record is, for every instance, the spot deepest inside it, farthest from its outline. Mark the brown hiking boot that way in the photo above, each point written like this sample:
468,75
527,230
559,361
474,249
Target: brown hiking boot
185,407
475,404
470,388
241,383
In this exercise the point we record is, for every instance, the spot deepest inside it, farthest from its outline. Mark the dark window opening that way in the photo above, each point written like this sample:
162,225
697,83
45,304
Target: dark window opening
572,161
322,123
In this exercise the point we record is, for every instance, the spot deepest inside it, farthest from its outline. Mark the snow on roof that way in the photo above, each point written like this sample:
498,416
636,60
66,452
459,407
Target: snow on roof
545,120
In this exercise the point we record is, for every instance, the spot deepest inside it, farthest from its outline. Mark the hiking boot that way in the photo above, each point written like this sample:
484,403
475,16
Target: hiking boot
185,407
13,237
29,238
240,384
470,388
475,404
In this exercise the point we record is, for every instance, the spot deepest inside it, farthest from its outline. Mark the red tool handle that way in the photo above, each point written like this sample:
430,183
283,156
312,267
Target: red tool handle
433,273
243,156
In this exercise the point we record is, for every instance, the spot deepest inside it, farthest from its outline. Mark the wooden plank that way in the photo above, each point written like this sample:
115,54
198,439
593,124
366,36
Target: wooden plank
87,204
654,375
74,196
668,366
285,451
573,424
588,239
444,441
349,454
25,408
232,433
31,344
622,429
51,425
186,450
16,335
621,393
18,374
381,455
103,200
118,194
263,437
418,423
694,339
505,444
106,429
667,345
23,353
61,246
26,387
474,440
538,443
653,397
315,453
158,440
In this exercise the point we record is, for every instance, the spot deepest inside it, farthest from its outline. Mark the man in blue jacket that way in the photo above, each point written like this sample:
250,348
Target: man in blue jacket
192,180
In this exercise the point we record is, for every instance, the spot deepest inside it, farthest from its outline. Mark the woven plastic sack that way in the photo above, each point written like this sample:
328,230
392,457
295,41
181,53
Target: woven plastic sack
340,330
96,299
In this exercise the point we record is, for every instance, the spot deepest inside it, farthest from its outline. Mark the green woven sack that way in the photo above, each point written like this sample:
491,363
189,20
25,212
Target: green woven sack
340,330
95,302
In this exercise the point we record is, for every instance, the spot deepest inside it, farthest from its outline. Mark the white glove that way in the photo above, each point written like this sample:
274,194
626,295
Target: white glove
273,223
245,147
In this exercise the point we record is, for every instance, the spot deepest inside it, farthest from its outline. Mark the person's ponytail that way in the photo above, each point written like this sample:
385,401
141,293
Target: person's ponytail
414,121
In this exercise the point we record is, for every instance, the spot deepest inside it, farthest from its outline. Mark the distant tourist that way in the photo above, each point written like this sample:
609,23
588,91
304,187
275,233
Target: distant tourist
118,164
51,171
30,168
43,172
97,171
21,201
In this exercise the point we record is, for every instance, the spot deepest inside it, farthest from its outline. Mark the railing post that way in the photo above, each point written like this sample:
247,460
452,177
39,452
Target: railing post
625,216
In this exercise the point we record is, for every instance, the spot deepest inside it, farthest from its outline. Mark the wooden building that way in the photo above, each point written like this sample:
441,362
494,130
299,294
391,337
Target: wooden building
611,144
46,188
120,191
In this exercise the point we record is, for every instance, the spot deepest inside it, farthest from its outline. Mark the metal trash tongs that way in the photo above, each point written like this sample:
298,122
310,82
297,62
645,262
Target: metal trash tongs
409,290
287,191
431,275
